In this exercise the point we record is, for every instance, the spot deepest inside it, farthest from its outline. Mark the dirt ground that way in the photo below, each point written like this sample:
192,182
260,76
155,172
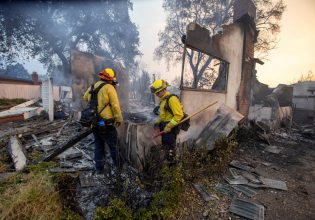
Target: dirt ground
294,164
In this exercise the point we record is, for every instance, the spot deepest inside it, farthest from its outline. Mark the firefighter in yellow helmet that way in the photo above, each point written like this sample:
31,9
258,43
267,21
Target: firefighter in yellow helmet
171,113
111,117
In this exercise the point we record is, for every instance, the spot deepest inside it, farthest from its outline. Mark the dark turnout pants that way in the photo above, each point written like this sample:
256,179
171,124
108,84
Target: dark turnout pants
105,134
169,141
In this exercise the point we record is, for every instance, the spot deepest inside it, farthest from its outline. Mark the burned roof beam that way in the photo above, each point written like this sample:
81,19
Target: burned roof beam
63,147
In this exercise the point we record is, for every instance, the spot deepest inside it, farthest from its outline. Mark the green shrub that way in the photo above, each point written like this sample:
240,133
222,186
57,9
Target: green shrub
117,209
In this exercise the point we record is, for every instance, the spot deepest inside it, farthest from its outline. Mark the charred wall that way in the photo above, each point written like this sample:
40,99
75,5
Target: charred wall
84,69
228,47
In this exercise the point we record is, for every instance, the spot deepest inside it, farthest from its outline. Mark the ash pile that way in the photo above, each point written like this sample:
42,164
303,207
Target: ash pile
70,148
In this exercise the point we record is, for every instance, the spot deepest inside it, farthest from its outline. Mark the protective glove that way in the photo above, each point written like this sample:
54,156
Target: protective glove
117,123
156,125
167,128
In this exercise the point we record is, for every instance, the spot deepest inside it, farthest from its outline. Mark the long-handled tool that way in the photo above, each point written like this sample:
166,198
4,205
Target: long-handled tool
189,117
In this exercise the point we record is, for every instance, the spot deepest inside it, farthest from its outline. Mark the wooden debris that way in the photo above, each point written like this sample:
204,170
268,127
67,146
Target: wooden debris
66,145
39,144
17,153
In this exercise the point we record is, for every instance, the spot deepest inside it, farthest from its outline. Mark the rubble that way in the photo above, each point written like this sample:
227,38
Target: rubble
247,209
68,141
203,192
245,190
273,149
17,153
61,148
225,189
223,122
21,112
248,176
39,143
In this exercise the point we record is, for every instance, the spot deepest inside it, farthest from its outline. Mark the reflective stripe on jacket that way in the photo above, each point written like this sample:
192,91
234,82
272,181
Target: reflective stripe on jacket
175,106
106,96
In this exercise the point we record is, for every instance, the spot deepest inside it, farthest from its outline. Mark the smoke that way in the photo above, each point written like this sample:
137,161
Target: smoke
49,30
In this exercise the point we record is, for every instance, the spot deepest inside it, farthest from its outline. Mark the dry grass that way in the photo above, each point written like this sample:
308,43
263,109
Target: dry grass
35,198
3,163
200,163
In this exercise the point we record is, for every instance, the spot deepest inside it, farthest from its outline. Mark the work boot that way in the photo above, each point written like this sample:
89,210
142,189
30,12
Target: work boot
112,173
171,158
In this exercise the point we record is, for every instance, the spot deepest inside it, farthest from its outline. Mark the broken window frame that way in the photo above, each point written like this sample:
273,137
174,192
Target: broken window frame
200,89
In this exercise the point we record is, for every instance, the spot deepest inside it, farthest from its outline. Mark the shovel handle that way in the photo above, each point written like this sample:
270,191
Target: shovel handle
185,119
159,134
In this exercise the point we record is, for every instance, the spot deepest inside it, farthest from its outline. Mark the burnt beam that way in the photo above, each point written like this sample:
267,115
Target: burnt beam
63,147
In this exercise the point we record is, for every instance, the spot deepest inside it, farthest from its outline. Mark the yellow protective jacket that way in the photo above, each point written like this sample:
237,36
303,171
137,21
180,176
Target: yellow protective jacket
175,106
106,96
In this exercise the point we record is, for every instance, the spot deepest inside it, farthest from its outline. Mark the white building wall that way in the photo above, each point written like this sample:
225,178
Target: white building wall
231,45
13,91
303,98
232,49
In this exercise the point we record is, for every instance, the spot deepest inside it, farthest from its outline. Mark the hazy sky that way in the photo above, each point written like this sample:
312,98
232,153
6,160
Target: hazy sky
294,55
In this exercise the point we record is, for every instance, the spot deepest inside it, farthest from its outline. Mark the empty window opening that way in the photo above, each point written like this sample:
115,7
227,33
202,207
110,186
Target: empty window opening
204,72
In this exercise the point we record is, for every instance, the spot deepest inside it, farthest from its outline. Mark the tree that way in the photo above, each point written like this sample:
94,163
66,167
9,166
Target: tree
212,14
18,71
310,76
48,30
143,84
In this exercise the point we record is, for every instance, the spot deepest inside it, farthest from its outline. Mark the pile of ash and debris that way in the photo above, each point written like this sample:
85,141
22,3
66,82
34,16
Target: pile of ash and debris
70,148
272,175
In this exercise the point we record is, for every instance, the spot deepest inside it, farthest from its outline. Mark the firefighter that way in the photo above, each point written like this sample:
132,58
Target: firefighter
171,113
110,118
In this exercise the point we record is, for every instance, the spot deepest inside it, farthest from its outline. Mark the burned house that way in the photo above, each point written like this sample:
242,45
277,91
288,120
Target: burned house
233,51
271,106
304,102
232,55
84,68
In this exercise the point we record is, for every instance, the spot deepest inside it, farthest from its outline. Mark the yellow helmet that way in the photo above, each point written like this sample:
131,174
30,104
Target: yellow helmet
158,85
107,74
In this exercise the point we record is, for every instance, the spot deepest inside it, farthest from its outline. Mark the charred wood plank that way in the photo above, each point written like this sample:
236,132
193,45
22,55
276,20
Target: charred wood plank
39,144
67,145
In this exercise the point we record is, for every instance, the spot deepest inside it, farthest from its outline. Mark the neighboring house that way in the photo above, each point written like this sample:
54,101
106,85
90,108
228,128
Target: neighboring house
271,106
7,79
304,102
15,87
